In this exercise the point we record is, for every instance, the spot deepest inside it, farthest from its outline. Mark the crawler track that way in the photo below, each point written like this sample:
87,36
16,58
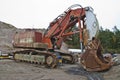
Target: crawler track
36,56
49,59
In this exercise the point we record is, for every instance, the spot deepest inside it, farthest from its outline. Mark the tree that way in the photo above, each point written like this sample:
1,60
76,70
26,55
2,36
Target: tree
110,39
117,35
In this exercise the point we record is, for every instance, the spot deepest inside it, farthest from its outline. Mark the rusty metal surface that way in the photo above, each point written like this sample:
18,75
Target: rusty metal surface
93,60
29,39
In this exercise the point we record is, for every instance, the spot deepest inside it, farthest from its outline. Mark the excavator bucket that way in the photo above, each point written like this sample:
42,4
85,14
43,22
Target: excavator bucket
93,60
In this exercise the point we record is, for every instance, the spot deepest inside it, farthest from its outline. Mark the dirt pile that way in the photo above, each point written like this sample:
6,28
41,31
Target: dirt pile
6,34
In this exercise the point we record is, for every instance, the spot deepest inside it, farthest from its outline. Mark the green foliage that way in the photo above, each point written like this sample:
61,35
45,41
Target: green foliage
74,42
110,40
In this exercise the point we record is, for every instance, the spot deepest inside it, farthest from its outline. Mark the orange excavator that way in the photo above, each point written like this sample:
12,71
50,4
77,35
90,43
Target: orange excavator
36,47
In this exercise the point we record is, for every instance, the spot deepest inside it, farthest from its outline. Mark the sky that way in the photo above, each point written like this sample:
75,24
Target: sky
39,13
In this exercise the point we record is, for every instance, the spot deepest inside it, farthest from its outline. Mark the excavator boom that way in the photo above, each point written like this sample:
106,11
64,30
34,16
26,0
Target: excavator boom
62,26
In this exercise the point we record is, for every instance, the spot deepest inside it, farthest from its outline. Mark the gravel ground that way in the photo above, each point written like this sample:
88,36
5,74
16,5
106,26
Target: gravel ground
11,70
114,72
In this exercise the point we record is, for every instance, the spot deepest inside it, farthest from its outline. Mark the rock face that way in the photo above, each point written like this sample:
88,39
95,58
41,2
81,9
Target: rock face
4,25
6,35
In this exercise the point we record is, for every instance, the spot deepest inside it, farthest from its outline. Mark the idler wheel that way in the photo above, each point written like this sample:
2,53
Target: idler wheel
49,61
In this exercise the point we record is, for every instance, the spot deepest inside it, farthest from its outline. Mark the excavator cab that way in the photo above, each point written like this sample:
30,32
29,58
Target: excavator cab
92,59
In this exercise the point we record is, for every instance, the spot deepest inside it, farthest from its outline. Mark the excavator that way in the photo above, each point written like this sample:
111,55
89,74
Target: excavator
42,48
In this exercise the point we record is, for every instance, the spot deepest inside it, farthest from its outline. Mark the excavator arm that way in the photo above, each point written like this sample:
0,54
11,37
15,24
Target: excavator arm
62,26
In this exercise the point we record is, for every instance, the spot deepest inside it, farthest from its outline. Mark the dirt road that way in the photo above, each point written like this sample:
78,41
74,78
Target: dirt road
11,70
